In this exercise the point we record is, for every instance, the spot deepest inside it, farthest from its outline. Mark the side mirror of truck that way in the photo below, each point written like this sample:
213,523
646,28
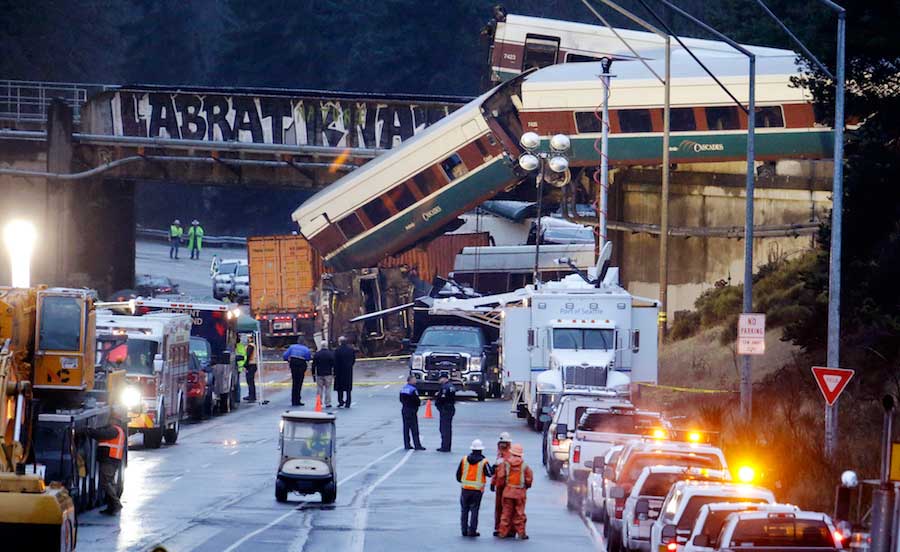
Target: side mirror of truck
617,492
668,533
642,508
599,464
158,363
701,540
562,431
544,418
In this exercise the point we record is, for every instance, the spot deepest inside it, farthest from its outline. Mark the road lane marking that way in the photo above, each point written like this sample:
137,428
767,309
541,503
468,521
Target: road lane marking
361,518
300,506
595,535
233,453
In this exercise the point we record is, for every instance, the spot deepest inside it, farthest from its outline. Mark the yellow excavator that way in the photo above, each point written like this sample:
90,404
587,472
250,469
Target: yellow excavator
49,396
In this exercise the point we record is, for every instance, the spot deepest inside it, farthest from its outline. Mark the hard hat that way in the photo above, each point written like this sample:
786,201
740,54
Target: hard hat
517,450
477,445
504,438
176,221
195,222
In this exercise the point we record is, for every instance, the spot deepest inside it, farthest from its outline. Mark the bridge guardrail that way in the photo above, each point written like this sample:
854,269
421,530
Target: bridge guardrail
27,101
214,241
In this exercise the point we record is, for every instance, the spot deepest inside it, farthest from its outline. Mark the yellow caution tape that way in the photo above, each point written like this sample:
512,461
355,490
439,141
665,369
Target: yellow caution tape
397,357
685,389
355,384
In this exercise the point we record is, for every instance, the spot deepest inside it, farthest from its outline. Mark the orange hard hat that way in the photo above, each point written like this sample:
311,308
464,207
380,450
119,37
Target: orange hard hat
517,450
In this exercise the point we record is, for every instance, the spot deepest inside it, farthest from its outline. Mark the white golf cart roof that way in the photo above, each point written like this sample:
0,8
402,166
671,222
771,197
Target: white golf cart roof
307,416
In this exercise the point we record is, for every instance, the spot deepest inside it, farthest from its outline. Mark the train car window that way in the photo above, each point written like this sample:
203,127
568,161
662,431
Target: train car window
586,121
635,120
682,119
769,117
351,226
540,51
454,167
722,118
402,197
578,58
377,211
428,182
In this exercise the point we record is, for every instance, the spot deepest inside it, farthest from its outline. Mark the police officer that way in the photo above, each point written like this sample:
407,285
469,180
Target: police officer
112,442
445,401
472,473
409,399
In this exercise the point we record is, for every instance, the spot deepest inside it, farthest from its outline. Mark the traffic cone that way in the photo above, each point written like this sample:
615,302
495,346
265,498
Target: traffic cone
428,413
318,403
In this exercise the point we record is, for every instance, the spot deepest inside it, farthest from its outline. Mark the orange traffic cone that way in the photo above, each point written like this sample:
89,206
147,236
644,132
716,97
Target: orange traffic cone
428,413
318,403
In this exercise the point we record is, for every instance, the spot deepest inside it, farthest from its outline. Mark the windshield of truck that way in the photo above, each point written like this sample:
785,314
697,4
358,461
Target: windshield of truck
139,359
638,463
227,268
306,440
617,422
689,515
579,338
450,338
60,323
243,270
782,531
201,348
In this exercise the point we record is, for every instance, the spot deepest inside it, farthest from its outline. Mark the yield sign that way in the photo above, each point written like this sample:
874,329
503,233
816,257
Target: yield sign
832,381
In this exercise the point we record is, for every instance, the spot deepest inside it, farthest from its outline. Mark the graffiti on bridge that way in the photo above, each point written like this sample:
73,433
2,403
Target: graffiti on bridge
370,124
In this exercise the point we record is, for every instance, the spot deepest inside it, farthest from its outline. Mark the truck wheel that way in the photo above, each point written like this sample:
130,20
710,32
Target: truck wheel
481,395
538,424
496,390
208,405
171,433
329,493
153,438
573,499
521,411
281,491
553,469
596,514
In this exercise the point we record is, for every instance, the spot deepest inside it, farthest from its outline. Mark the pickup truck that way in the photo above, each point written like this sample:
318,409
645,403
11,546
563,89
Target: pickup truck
463,354
559,431
679,511
642,505
763,531
705,534
618,480
595,492
597,431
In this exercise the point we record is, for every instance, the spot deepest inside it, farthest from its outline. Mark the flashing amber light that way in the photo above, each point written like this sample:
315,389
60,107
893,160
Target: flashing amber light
659,434
694,436
746,474
672,547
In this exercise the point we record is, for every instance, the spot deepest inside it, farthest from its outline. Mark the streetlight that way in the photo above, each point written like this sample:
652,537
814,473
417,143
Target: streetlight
19,237
534,159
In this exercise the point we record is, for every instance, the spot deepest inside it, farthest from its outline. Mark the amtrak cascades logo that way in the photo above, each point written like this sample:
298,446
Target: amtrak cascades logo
691,146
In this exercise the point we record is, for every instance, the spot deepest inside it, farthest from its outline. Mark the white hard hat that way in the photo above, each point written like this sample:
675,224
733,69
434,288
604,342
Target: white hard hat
505,438
477,445
195,221
177,221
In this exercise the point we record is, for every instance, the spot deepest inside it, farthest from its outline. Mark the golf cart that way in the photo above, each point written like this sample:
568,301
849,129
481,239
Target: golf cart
307,444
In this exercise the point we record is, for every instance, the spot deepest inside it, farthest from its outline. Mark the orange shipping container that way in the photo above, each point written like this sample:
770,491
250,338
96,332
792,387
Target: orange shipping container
284,271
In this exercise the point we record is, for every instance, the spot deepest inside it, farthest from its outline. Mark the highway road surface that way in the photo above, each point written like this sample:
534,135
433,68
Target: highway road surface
192,276
214,489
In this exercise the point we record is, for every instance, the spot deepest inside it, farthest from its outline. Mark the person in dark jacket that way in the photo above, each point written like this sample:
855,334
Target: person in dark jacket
409,398
445,401
112,441
472,473
297,355
250,368
323,372
344,358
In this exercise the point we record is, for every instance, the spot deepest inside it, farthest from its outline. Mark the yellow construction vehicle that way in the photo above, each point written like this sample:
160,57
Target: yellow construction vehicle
48,468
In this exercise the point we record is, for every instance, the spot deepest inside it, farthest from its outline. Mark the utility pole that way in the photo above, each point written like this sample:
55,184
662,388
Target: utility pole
746,364
603,207
664,204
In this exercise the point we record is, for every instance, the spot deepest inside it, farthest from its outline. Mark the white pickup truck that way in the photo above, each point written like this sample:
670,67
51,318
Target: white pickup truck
560,430
763,531
596,432
705,535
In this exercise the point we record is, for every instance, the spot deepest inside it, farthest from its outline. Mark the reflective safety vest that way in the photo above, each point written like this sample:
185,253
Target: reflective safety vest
175,231
519,480
473,477
241,350
116,445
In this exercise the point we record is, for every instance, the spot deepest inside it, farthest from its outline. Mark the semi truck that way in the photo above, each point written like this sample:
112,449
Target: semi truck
157,360
49,469
581,334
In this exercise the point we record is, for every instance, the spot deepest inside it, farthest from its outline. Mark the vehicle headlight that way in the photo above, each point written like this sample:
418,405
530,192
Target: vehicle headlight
131,397
418,361
475,363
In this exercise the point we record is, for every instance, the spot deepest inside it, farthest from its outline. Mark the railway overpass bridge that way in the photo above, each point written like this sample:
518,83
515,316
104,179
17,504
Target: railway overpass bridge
71,155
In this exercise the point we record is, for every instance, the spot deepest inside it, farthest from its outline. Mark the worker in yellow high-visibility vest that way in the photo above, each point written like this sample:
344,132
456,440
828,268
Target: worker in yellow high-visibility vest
472,473
175,233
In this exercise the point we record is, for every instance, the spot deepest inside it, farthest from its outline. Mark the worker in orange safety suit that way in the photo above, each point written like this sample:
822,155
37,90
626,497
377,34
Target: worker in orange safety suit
516,478
503,444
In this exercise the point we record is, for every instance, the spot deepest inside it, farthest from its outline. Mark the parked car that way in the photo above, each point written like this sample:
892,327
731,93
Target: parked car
683,503
200,396
783,531
151,286
241,286
223,277
595,501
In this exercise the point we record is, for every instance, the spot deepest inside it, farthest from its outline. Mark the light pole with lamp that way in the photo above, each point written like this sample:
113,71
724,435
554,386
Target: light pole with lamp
19,236
536,160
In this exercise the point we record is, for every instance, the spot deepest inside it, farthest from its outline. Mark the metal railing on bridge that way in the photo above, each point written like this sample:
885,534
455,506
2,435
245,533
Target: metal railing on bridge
27,101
